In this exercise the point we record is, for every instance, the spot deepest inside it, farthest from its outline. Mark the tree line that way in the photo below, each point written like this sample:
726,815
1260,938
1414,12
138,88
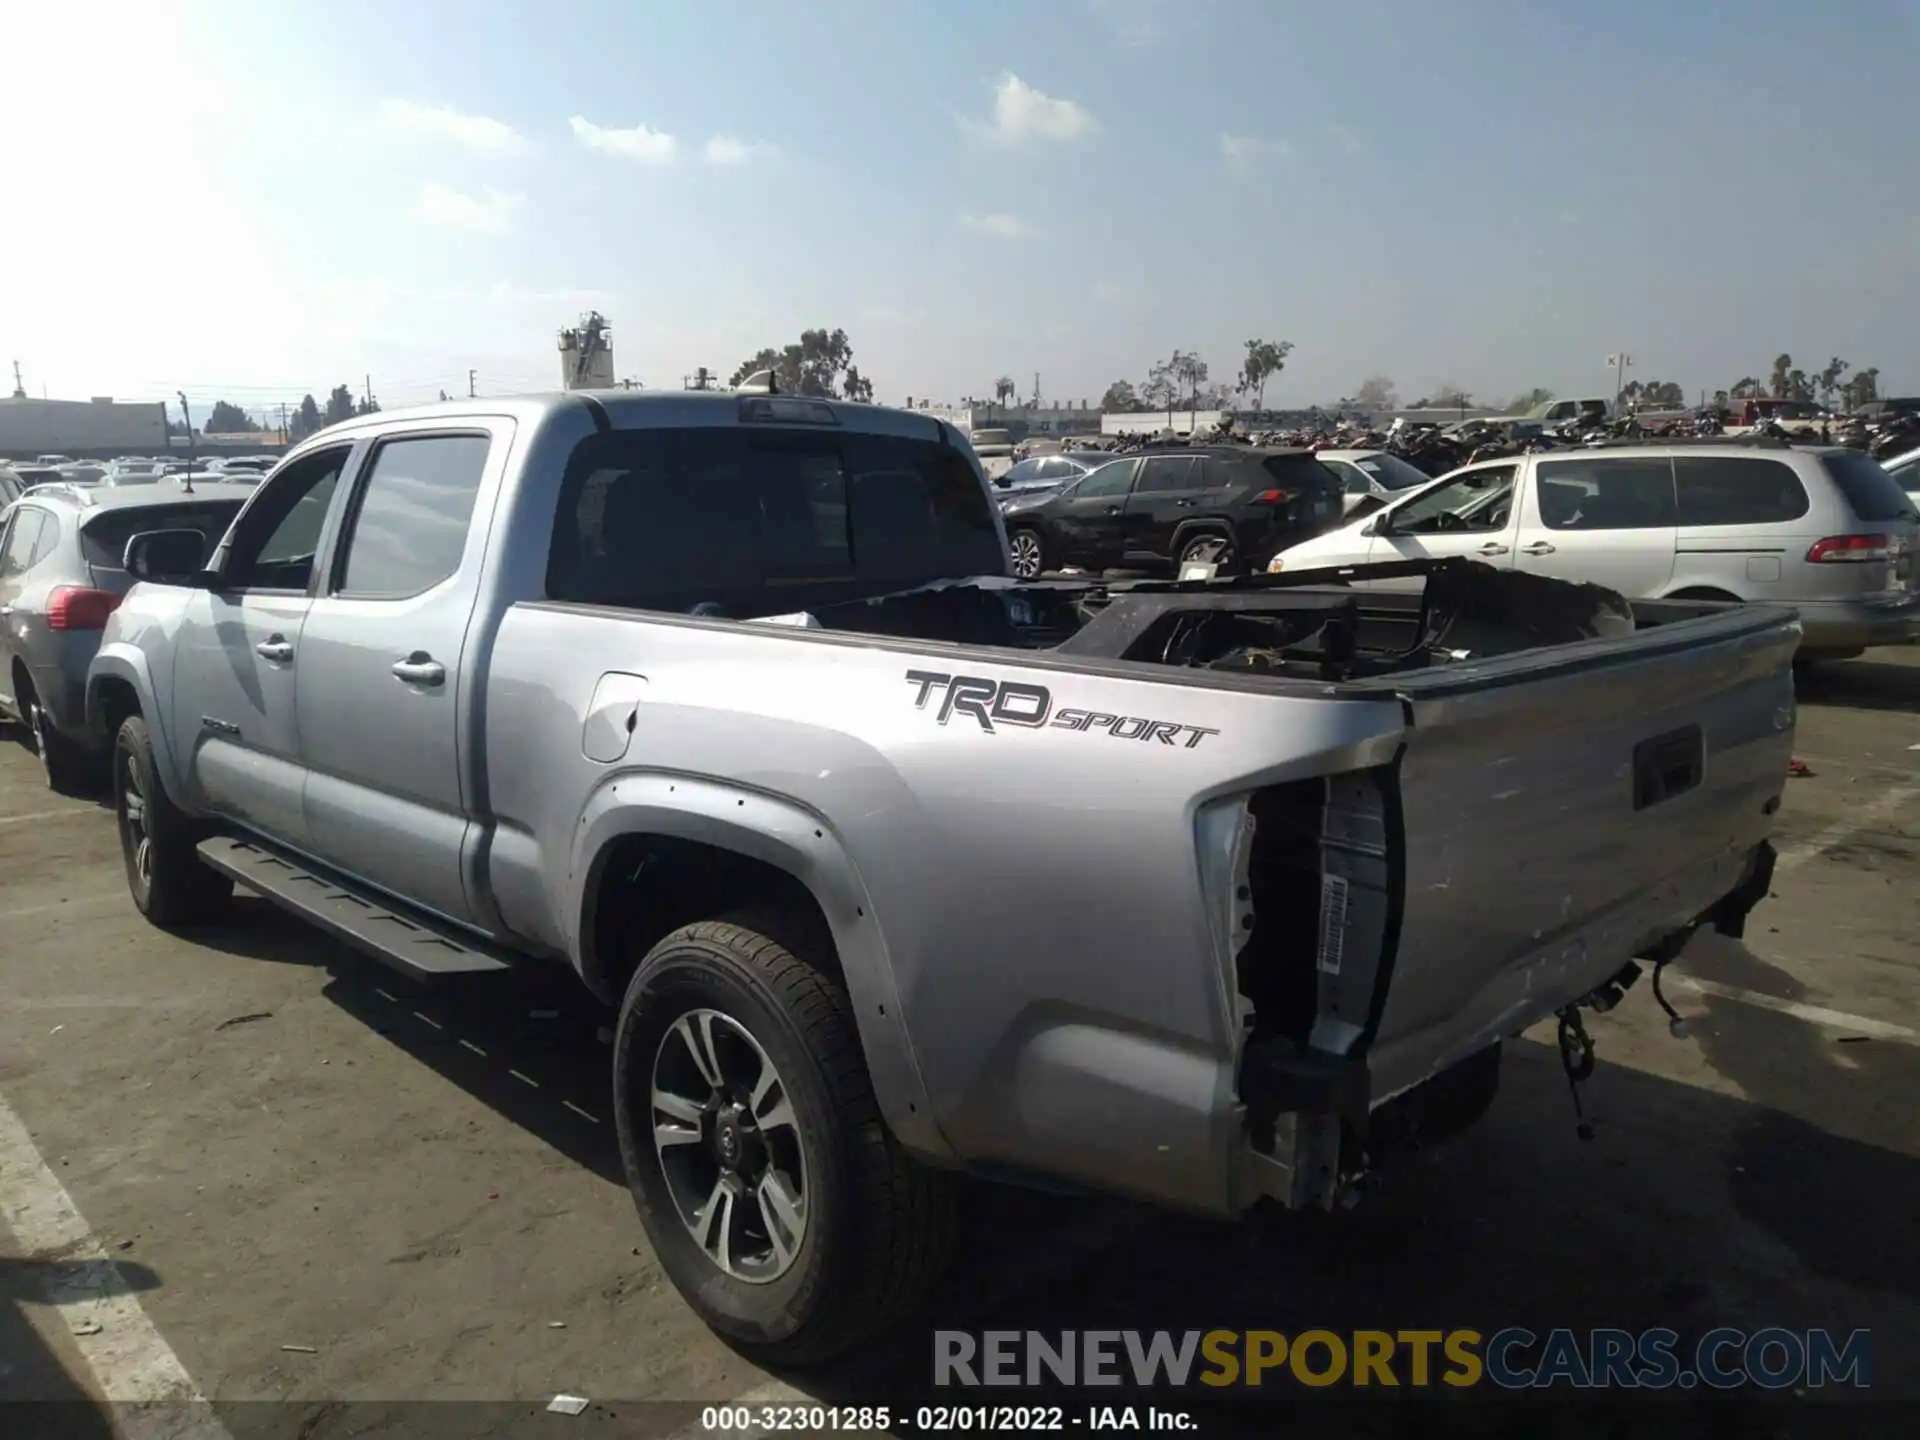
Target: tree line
306,418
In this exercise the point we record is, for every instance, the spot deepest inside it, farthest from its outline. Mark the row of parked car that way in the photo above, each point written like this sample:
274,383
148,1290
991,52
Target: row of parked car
1826,529
17,478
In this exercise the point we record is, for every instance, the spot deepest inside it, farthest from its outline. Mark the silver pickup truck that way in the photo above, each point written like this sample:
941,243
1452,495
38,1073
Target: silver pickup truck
895,867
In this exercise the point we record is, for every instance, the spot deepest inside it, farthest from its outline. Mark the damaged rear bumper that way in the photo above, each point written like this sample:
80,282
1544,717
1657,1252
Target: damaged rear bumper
1313,1121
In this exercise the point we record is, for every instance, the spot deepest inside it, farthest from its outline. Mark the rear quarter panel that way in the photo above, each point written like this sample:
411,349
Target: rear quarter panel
1027,903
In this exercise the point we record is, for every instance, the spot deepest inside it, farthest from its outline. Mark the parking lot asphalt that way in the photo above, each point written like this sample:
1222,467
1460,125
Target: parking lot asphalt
329,1193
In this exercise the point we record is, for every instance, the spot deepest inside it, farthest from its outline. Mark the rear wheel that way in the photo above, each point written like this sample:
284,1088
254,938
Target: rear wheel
168,883
777,1200
69,768
1027,552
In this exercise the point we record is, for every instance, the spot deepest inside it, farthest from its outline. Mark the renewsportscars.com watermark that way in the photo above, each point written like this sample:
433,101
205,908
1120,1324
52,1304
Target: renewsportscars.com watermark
1511,1359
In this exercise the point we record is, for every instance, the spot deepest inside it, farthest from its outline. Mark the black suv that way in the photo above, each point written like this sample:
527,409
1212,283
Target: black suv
1232,505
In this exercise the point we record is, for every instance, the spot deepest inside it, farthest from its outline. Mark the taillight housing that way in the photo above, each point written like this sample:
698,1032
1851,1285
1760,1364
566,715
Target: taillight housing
75,607
1272,497
1850,549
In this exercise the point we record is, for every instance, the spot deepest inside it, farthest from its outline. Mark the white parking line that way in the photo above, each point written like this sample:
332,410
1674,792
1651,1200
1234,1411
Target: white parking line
1812,1014
1840,832
133,1367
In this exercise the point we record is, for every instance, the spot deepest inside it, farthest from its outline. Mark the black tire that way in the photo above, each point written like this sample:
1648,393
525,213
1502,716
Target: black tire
1204,546
69,767
169,884
879,1227
1018,540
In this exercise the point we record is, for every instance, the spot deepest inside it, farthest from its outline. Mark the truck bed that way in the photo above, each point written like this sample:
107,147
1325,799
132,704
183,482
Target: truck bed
1092,851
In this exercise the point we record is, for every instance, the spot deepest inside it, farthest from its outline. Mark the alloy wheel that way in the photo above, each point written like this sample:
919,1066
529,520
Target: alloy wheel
729,1146
133,817
1024,548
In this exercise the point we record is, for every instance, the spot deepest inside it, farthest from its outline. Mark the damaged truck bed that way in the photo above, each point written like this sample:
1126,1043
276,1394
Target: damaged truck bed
1203,892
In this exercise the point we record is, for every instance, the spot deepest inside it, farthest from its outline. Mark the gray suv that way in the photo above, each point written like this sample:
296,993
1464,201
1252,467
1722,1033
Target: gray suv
61,576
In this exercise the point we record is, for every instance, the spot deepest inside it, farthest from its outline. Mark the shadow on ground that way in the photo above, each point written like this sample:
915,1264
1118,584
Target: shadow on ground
40,1394
1860,685
1691,1209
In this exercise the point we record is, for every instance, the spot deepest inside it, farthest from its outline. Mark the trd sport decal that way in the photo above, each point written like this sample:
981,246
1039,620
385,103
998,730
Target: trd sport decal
1028,707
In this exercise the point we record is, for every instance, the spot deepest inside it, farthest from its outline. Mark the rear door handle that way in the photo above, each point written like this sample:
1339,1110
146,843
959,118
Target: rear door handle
1493,548
420,668
1538,547
275,647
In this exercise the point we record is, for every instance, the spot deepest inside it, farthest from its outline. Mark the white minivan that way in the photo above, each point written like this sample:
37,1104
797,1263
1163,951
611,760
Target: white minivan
1823,529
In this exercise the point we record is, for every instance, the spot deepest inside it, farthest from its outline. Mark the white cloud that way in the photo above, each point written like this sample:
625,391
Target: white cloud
1001,227
1246,153
1022,113
726,150
1136,24
476,132
490,211
649,147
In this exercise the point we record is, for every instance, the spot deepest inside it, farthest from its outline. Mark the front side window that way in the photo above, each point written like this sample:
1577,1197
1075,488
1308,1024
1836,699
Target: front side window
1606,494
1479,500
1736,490
1110,480
281,534
410,528
1025,471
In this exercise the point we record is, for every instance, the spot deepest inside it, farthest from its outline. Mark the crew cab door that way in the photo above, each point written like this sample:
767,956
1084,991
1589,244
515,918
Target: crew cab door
1470,516
237,660
1605,520
386,725
1165,493
1091,519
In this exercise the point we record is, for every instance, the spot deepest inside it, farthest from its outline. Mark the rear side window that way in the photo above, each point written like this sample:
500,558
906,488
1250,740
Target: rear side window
1167,472
1737,490
1300,472
104,536
26,540
1872,494
410,526
666,519
1606,494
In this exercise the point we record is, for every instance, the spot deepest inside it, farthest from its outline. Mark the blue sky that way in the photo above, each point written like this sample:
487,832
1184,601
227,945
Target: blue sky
255,199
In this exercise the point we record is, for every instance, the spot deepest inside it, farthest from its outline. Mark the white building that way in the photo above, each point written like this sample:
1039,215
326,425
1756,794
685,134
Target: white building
1021,421
100,427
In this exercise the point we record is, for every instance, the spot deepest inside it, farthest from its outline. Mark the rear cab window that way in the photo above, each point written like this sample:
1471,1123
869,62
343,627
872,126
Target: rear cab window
755,521
1871,493
409,527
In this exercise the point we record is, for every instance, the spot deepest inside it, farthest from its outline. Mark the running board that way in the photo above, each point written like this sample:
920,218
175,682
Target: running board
415,947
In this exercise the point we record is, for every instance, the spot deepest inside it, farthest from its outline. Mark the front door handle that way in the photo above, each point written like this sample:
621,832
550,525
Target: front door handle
1538,547
1493,547
1113,509
276,648
420,668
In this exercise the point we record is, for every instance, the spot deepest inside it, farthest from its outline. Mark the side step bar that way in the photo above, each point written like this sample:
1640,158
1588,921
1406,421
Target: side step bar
416,947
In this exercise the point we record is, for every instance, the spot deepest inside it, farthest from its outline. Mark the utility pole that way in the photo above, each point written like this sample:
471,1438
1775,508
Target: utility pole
470,380
283,422
19,386
369,380
186,418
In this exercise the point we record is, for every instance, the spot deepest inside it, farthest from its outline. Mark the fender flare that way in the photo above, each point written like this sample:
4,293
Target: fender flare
128,663
1189,528
803,844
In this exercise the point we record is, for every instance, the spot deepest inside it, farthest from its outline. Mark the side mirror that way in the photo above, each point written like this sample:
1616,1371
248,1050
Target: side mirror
1381,524
170,557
